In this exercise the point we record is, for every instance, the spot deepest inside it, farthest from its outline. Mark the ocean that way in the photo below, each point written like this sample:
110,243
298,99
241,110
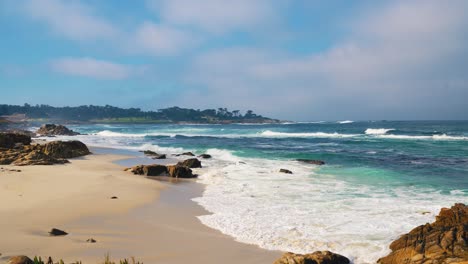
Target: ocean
381,179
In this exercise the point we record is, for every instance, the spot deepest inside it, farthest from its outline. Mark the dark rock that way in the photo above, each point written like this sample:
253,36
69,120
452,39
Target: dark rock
57,232
205,156
311,161
20,260
91,240
162,156
444,241
65,149
10,140
114,197
138,170
318,257
285,171
191,163
155,170
177,171
55,130
186,154
154,155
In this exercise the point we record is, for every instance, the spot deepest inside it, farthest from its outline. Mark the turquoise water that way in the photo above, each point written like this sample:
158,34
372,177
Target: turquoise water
381,179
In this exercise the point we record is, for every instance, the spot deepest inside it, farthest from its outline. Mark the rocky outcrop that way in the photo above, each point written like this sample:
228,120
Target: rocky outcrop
205,156
65,149
191,163
11,140
285,171
443,242
55,152
318,257
154,155
311,161
186,154
175,171
55,130
20,260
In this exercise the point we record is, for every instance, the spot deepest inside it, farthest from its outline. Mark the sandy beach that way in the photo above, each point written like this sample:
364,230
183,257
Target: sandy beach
152,220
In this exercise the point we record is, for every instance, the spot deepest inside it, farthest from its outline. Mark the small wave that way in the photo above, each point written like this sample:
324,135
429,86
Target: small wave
269,133
378,131
345,122
434,137
108,133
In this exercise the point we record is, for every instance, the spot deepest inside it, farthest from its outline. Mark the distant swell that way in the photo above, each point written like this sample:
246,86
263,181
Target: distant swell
345,122
269,133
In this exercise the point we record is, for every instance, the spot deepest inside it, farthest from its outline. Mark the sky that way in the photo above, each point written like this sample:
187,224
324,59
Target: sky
299,60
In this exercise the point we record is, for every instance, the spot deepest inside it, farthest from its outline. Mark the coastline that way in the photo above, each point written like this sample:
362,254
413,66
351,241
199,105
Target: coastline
154,221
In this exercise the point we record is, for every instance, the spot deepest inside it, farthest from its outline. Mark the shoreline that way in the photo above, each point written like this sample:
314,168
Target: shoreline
154,221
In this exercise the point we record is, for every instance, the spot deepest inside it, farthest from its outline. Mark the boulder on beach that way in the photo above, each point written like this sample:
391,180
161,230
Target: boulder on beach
55,130
311,161
177,171
57,232
285,171
37,157
191,163
65,149
10,140
444,241
20,260
318,257
155,170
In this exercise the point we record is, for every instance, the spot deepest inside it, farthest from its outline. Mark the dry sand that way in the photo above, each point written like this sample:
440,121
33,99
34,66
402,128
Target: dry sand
151,220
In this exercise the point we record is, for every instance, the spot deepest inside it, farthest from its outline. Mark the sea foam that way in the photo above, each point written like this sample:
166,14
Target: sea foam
378,131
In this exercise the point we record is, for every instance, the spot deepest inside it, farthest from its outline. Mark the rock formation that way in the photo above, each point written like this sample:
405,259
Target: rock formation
11,140
154,155
285,171
318,257
176,171
191,163
55,130
205,156
443,242
57,232
20,260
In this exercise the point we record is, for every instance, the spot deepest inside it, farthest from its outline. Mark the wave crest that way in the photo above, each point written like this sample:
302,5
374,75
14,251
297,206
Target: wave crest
377,131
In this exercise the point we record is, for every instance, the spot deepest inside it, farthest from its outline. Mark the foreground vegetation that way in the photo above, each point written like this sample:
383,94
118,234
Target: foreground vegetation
111,114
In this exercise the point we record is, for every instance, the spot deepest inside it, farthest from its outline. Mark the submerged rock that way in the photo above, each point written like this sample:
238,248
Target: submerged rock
285,171
20,260
191,163
57,232
154,155
205,156
10,140
186,154
55,130
444,241
311,161
318,257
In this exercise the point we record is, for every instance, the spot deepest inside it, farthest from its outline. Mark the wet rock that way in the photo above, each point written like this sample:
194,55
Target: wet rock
114,197
285,171
55,130
57,232
91,240
10,140
177,171
186,154
65,149
154,155
311,161
154,170
191,163
138,170
318,257
444,241
20,260
205,156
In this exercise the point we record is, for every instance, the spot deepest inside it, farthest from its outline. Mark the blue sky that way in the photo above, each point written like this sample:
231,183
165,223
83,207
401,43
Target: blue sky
296,60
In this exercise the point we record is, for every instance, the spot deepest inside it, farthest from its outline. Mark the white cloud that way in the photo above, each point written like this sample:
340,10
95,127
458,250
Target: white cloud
157,39
216,16
397,62
71,19
92,68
